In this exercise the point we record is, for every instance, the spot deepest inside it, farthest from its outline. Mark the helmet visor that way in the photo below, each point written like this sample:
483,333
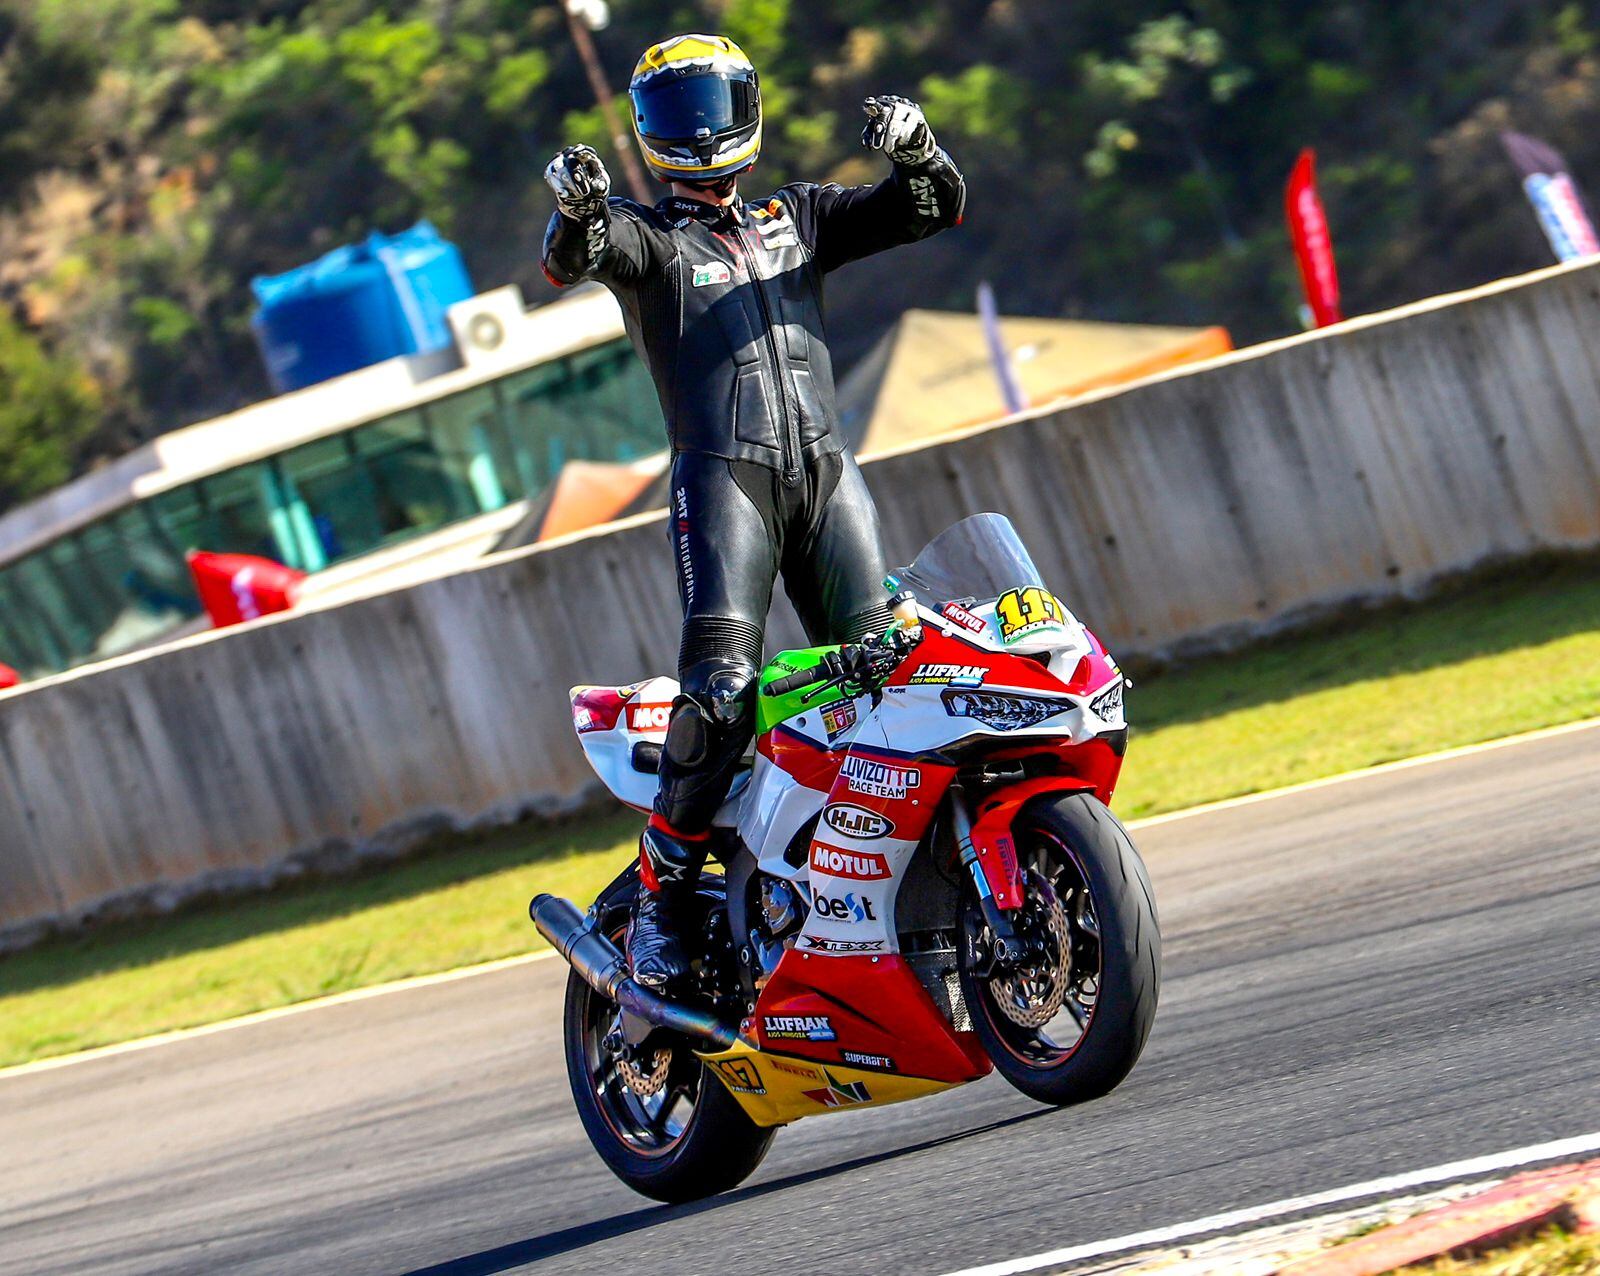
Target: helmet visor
678,107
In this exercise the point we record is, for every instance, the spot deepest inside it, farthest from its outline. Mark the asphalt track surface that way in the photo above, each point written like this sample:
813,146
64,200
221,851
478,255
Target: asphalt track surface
1361,980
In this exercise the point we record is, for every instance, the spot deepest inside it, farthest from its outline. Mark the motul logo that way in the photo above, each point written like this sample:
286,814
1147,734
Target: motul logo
960,615
648,717
861,866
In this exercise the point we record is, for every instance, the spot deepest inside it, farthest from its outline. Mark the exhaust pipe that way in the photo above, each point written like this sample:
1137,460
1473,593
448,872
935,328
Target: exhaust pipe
602,966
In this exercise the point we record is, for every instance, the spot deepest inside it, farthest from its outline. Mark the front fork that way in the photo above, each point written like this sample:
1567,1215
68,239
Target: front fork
1007,949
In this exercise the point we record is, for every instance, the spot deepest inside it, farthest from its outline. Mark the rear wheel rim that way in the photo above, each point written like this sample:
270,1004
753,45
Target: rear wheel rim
1054,1042
650,1126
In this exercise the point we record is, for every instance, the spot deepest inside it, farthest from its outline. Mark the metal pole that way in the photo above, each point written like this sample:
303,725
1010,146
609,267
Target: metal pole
1010,389
621,137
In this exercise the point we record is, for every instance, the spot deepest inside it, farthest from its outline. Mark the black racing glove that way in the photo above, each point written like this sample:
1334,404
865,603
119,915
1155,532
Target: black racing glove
579,180
897,127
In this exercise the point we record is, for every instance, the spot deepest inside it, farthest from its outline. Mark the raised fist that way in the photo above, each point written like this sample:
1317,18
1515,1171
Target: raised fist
579,180
897,127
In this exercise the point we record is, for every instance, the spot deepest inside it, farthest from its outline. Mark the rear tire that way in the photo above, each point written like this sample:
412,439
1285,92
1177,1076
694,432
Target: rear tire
705,1143
1077,843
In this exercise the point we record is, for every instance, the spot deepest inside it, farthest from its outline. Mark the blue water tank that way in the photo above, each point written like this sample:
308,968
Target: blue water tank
358,305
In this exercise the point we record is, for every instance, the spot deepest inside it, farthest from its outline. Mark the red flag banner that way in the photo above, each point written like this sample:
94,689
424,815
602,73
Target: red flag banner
234,588
1313,244
9,677
1554,196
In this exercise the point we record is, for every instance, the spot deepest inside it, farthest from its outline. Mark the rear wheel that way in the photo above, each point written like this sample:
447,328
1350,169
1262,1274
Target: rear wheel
658,1119
1070,1026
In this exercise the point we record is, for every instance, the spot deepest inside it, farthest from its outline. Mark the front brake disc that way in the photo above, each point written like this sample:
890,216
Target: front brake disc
1031,996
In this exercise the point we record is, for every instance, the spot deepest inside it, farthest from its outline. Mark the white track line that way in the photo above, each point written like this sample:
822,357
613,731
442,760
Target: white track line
277,1012
1382,768
463,972
1559,1149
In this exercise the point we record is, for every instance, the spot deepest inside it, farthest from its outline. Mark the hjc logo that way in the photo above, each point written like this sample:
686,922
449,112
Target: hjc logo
857,821
649,717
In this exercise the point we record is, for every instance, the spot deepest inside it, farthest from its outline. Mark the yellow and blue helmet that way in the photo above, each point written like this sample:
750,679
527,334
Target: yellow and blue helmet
696,108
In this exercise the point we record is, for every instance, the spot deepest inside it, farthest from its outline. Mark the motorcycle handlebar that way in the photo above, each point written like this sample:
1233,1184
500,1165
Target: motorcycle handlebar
880,657
794,681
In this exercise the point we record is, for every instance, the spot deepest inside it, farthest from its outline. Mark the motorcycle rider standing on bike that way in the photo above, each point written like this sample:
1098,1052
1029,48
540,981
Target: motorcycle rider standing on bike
723,300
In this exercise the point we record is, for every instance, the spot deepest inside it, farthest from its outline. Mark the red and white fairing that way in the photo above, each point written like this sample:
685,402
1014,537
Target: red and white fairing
612,721
873,777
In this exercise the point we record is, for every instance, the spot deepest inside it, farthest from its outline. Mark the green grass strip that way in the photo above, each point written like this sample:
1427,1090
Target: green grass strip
1499,657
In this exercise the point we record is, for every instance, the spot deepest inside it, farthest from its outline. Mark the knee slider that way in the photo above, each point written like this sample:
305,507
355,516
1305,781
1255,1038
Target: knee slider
716,702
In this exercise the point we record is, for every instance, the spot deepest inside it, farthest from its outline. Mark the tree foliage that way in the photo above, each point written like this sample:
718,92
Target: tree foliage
48,407
1126,160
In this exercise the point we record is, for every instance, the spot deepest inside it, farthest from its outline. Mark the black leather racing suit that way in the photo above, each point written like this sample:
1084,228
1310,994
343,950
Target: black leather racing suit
724,304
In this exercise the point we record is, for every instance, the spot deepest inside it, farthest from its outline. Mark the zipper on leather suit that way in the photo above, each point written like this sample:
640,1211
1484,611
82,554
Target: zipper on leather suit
788,432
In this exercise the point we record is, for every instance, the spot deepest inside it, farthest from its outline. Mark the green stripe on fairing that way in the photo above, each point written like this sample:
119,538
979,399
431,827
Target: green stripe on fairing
771,710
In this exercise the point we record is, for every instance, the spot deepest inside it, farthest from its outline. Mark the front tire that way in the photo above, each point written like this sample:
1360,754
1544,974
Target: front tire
688,1140
1093,891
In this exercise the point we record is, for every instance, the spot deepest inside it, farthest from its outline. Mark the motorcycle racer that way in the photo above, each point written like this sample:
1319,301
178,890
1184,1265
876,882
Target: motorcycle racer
722,297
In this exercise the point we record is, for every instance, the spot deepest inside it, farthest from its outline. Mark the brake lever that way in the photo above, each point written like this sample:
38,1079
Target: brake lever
808,696
883,658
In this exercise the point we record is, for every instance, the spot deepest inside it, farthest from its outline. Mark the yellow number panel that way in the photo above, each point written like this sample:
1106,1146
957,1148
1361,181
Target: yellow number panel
776,1089
1022,611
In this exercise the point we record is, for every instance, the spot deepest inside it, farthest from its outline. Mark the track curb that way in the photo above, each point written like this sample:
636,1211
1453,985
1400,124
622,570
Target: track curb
1566,1195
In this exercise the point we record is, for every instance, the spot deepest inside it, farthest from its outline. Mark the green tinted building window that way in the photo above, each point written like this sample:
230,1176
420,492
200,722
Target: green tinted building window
371,487
123,580
147,586
469,433
44,597
238,505
597,405
39,643
416,488
338,509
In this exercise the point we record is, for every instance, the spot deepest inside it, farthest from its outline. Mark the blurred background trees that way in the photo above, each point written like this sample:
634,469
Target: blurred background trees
1126,161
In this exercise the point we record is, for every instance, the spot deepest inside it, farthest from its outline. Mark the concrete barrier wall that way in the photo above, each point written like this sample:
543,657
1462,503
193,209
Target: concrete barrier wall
1363,462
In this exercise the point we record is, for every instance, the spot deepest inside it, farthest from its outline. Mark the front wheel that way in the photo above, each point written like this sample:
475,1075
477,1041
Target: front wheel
658,1119
1070,1026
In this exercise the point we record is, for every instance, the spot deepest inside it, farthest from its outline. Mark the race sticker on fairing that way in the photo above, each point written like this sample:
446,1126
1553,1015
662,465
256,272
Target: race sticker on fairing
1025,611
879,779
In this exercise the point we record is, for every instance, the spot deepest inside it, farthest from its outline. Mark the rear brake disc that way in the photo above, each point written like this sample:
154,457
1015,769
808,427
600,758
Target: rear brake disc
642,1083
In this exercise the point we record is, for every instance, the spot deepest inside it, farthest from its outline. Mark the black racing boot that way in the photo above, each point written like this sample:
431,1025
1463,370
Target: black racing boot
669,867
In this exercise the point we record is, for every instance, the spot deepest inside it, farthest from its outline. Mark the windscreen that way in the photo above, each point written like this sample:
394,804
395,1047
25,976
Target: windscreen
977,559
678,107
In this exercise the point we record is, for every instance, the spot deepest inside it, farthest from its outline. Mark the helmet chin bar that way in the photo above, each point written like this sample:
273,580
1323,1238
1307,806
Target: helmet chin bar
722,187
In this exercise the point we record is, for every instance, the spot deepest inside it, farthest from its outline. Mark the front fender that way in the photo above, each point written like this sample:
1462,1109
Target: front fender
992,838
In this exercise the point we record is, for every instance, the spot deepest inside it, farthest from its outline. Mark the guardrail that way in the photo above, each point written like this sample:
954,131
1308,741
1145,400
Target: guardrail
1205,505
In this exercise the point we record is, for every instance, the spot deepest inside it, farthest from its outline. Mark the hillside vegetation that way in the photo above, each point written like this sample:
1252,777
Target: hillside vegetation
1126,161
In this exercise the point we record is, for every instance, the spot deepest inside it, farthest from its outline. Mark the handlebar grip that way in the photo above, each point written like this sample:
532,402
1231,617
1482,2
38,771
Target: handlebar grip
794,681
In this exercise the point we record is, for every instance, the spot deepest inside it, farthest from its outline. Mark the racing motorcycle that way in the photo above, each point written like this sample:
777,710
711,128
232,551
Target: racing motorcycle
922,882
